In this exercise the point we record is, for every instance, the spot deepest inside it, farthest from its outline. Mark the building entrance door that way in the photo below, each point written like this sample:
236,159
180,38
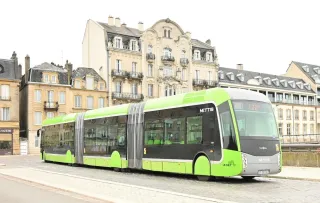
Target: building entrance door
6,144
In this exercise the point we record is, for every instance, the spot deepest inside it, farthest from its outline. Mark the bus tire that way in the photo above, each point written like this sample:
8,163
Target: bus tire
248,177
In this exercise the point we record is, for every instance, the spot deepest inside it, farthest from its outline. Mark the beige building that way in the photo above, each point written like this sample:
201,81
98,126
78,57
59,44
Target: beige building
50,90
294,100
140,63
10,74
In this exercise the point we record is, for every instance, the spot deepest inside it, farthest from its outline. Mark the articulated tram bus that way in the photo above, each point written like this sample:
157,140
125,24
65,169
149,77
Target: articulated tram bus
209,133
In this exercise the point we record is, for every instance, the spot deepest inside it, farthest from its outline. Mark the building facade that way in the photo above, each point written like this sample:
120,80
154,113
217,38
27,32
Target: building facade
140,64
294,99
10,74
50,90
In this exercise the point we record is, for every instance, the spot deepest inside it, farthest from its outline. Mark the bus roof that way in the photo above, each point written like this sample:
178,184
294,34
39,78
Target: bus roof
216,95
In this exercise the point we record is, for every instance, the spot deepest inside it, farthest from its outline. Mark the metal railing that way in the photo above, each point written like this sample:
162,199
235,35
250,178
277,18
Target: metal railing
301,139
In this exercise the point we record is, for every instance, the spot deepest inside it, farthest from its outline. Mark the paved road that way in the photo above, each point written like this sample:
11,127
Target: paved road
232,189
17,191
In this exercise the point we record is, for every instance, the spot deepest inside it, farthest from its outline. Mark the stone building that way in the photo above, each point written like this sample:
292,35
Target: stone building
140,63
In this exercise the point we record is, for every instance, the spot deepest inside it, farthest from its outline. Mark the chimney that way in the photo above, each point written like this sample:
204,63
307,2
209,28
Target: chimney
68,66
123,25
188,35
208,42
117,22
110,21
140,26
26,68
240,66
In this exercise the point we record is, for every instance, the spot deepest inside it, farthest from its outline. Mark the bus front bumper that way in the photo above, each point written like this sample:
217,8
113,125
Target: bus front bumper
260,165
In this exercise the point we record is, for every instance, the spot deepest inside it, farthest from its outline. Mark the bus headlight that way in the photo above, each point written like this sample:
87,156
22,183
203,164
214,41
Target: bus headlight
244,161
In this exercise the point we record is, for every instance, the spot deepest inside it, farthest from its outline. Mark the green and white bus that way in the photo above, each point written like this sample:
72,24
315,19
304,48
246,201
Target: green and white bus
209,133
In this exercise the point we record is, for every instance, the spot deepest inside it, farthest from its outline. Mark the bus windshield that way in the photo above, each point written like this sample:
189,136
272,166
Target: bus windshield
255,119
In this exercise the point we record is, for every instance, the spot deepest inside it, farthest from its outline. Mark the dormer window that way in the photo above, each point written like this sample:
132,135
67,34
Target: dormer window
284,83
221,75
306,68
230,75
308,86
196,55
77,84
259,79
53,79
117,42
133,45
317,70
89,83
299,84
209,56
240,76
267,80
316,78
276,81
292,84
167,52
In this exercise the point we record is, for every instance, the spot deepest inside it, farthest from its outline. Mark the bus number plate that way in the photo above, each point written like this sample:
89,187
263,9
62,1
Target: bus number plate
263,172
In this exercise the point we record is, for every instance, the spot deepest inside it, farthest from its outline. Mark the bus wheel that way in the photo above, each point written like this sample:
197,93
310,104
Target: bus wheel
204,178
248,177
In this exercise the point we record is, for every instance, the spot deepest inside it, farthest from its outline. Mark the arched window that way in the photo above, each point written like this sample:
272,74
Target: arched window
165,33
169,32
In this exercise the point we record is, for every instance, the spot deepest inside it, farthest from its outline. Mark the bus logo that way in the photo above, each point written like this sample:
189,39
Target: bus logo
262,148
206,110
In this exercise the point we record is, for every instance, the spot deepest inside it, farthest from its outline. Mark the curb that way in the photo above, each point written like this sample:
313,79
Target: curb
295,178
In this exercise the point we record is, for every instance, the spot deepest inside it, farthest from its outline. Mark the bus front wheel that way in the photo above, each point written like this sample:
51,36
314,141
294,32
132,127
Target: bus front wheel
248,177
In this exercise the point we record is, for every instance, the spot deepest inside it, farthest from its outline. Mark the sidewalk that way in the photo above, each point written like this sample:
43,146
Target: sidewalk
104,190
298,173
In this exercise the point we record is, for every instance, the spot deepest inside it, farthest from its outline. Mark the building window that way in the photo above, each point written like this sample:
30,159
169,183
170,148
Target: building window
196,55
62,97
169,91
150,90
167,52
46,78
53,79
280,128
5,92
169,32
77,101
89,102
304,115
311,115
5,114
311,128
77,84
89,81
305,130
297,129
133,45
134,88
37,95
101,102
165,33
118,87
209,56
102,86
38,118
197,74
134,67
149,49
118,65
288,112
50,96
296,114
150,72
118,42
183,74
50,114
210,75
288,129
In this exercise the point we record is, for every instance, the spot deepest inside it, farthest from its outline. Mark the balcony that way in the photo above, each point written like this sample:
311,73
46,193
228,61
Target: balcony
150,57
184,62
135,75
51,106
127,96
119,73
167,60
204,83
293,101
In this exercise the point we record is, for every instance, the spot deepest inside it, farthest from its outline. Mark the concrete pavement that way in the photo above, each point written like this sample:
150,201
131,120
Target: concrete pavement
299,173
17,191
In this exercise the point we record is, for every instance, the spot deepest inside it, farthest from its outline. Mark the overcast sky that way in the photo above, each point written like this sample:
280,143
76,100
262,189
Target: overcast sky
264,36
